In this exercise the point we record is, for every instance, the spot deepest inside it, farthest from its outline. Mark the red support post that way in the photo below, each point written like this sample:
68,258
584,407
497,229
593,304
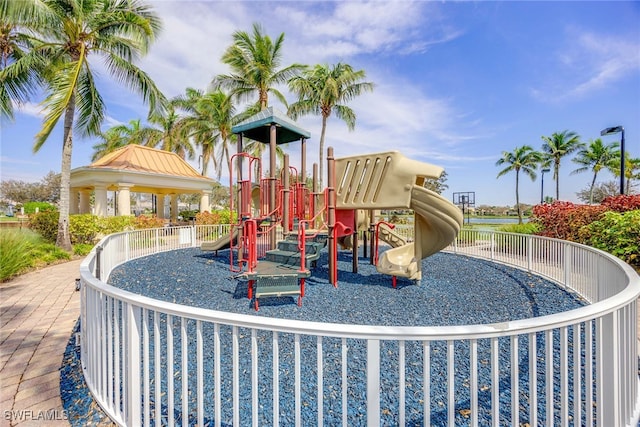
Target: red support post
331,213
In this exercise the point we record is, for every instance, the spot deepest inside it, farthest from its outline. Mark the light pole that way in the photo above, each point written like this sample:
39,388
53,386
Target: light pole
542,185
611,131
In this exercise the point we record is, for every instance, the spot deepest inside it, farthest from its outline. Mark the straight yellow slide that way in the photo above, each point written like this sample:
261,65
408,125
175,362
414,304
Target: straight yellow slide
221,243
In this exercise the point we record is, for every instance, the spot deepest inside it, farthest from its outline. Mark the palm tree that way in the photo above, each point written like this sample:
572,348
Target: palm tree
118,137
595,157
524,159
166,134
557,146
631,169
255,60
111,140
323,90
19,83
71,33
208,120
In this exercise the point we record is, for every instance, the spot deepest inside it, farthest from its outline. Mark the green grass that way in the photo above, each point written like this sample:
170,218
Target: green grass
22,250
12,219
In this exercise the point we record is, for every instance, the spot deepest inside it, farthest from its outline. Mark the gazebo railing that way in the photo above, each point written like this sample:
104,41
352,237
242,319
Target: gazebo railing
148,361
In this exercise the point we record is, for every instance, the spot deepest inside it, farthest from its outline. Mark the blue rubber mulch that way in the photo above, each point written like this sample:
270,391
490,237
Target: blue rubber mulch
455,290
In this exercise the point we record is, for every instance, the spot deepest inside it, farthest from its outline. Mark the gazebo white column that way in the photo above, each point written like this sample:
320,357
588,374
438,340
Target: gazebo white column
73,201
124,198
85,201
160,206
174,208
100,200
205,201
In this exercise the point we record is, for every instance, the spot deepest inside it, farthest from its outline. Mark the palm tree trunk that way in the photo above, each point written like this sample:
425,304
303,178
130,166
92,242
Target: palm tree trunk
556,176
63,239
321,156
593,183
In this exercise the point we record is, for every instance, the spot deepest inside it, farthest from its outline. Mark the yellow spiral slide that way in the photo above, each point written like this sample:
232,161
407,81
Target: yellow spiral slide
390,180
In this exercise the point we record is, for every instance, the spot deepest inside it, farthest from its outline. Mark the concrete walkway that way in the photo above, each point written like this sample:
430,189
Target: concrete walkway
37,314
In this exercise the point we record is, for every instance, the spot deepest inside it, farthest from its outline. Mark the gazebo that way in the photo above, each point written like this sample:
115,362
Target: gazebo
138,169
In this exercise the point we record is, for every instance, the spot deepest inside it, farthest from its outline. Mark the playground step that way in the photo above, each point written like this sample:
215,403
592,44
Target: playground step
292,246
286,257
277,286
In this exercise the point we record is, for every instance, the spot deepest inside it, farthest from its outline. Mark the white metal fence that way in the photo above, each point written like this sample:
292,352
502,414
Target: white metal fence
149,362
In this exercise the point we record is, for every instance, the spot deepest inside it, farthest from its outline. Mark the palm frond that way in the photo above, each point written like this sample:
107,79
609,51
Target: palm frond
62,94
137,80
89,104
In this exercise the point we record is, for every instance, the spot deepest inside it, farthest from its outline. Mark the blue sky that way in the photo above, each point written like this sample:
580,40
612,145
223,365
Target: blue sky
456,83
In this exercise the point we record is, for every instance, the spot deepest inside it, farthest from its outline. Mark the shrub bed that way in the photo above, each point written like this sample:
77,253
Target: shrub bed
613,226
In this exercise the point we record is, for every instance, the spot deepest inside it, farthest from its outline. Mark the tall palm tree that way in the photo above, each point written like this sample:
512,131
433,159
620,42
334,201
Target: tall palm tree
72,34
255,61
323,90
557,146
19,83
208,120
165,133
631,169
524,159
119,136
595,157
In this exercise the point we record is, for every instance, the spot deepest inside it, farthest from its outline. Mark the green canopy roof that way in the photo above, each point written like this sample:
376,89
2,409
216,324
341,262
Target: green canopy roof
257,127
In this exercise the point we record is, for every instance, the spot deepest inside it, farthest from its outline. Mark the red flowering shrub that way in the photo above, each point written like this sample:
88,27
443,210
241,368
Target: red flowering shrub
622,202
563,220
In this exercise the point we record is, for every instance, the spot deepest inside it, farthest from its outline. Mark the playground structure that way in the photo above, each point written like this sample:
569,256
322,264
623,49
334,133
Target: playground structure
358,186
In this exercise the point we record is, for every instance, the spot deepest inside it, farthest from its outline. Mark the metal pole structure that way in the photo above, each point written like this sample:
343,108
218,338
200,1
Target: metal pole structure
354,243
303,162
272,184
240,149
372,235
331,213
285,196
543,171
622,162
611,131
314,195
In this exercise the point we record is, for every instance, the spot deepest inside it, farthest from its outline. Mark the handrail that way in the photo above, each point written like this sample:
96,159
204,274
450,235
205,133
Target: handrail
377,238
612,293
415,332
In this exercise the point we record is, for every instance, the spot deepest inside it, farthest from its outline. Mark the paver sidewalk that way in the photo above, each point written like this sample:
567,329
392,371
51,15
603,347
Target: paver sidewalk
37,314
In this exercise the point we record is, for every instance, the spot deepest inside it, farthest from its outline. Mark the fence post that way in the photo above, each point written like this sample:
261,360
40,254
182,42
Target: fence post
529,250
608,411
493,245
133,376
567,264
127,249
373,383
98,261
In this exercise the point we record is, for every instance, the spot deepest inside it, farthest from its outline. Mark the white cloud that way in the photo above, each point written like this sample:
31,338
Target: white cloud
588,62
32,109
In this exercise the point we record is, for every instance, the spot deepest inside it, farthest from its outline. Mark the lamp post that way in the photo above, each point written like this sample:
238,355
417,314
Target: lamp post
611,131
542,185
